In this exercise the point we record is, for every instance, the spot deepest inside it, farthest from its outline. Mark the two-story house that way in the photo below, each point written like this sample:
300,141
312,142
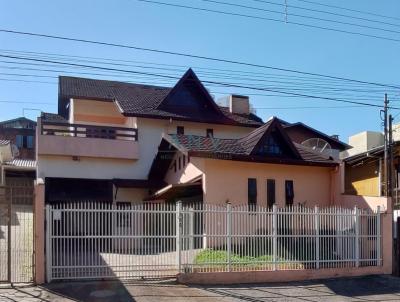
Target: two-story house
126,142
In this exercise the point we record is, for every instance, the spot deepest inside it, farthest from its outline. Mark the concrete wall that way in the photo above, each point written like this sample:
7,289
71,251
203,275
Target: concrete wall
362,142
364,202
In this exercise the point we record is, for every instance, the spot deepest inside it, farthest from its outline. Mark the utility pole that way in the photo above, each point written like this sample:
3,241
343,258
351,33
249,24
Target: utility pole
385,146
390,147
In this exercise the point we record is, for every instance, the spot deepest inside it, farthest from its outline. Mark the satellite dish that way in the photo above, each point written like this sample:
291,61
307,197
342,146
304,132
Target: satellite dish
318,145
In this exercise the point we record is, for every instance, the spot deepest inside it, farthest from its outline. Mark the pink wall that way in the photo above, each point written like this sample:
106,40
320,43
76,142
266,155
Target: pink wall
227,180
88,147
276,276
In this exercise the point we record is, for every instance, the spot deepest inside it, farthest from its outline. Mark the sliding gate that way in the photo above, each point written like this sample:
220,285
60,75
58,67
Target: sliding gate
92,240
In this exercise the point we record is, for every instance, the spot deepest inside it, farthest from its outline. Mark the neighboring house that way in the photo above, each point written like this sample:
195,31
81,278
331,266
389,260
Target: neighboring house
21,133
17,152
364,170
108,142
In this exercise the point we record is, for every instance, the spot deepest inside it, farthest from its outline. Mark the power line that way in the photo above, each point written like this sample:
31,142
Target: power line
300,16
196,57
270,19
305,87
207,70
206,82
136,81
327,12
349,9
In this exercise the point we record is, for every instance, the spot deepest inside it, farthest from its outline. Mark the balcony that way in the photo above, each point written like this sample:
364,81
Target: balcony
81,140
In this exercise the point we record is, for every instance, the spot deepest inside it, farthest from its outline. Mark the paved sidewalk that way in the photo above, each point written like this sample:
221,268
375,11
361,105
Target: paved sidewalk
378,288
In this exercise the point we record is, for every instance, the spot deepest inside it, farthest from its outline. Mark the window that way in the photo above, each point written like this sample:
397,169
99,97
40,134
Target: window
270,192
180,130
289,192
30,142
19,141
23,141
183,160
271,146
179,163
252,192
210,132
174,165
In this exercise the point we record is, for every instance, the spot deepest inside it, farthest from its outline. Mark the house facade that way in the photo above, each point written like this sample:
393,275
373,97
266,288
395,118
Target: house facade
126,142
17,152
364,166
21,133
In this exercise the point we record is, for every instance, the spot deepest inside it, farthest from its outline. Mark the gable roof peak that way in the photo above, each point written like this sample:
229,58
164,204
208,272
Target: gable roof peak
191,76
255,138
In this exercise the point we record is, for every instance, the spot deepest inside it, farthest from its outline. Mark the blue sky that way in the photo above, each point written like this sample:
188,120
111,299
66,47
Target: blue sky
215,35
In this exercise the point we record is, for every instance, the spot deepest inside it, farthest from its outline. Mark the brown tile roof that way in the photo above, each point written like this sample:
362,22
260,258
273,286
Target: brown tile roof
138,100
52,117
243,147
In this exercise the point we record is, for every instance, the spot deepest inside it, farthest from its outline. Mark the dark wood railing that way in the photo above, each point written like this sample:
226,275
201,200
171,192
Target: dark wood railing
91,131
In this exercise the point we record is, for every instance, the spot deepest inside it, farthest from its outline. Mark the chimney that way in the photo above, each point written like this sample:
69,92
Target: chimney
239,104
335,136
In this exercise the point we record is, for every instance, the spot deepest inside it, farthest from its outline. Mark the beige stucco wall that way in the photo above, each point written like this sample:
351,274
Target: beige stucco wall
188,172
362,142
150,132
95,112
226,180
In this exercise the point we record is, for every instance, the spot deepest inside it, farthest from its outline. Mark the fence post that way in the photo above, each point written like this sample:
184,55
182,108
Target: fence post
179,235
9,234
191,229
274,235
229,234
49,255
357,239
317,236
378,235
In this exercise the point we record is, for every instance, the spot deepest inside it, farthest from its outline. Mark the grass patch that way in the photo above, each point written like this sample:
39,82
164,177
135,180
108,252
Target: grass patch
208,256
216,260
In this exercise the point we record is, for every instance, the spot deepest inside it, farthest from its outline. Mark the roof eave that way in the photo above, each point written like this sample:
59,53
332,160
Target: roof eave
255,159
152,116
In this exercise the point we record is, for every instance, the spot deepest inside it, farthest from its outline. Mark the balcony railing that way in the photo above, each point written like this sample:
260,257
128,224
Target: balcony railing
90,131
79,140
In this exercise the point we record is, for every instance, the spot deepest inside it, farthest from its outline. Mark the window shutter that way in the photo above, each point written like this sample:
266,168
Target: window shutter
270,192
252,191
289,192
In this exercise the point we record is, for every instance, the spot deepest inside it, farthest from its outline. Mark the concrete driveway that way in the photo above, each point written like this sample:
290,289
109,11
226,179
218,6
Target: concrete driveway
374,288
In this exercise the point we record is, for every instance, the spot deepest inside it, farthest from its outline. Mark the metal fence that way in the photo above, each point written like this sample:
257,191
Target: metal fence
16,231
88,240
244,238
